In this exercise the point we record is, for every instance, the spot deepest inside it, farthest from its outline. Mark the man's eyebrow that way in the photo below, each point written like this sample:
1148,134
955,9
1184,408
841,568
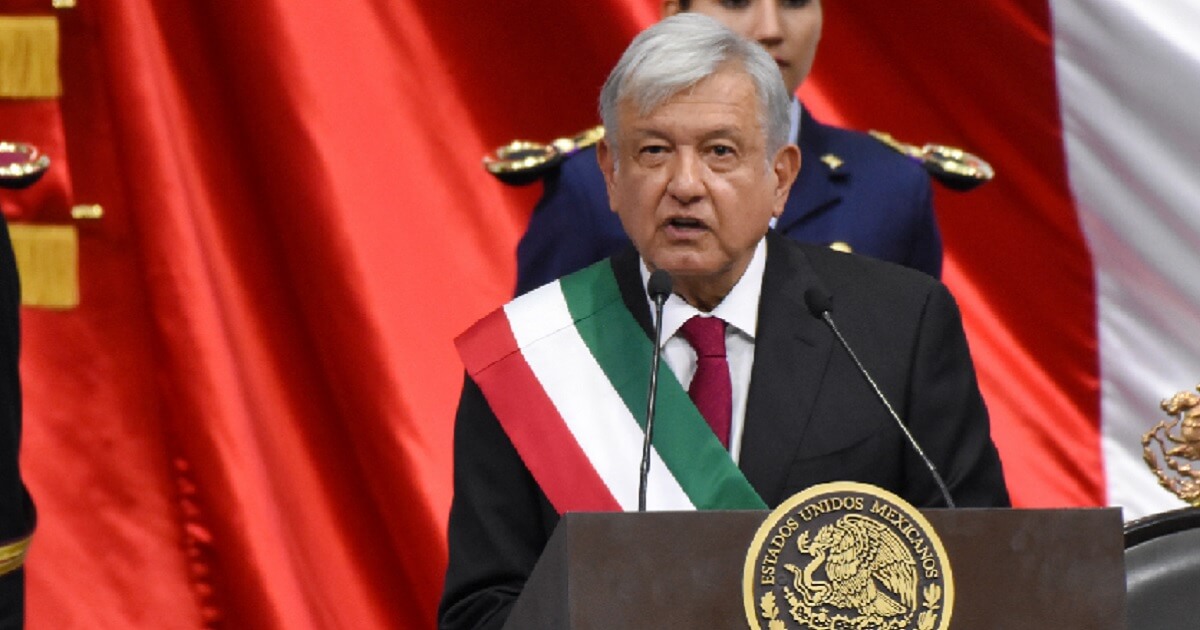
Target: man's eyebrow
732,133
648,132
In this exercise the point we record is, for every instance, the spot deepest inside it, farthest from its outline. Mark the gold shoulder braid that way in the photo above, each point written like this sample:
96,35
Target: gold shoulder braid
12,555
953,167
522,162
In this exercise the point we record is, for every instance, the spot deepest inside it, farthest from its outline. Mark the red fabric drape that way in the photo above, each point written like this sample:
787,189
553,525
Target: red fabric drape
247,422
981,75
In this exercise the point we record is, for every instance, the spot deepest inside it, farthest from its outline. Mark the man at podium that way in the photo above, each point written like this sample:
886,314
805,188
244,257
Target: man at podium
758,398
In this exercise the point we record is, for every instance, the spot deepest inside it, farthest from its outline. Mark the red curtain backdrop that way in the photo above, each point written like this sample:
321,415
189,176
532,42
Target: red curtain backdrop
981,75
247,422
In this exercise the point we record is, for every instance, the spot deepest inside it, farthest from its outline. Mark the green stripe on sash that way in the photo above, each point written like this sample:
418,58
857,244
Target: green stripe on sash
682,438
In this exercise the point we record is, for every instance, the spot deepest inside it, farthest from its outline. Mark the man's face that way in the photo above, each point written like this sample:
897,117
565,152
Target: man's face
788,29
693,184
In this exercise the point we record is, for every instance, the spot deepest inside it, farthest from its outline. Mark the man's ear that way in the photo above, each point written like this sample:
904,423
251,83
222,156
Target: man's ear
669,8
608,164
786,167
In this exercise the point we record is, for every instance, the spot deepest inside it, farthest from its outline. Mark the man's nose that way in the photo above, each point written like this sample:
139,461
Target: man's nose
686,184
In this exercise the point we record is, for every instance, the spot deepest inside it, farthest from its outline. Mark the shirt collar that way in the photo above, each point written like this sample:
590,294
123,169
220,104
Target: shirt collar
739,309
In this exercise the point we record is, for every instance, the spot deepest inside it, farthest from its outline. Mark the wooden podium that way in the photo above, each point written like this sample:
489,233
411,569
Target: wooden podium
1018,569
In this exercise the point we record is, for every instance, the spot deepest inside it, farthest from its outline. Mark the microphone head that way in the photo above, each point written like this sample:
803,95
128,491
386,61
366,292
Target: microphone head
818,301
659,285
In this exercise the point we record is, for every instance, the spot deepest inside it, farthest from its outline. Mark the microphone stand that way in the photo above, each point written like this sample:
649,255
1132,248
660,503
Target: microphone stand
659,288
819,304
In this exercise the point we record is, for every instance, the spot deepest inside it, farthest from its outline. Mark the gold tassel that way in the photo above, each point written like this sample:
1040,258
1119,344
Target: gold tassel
29,57
48,263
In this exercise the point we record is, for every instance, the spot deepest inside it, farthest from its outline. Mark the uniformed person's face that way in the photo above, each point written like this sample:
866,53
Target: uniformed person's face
693,184
788,29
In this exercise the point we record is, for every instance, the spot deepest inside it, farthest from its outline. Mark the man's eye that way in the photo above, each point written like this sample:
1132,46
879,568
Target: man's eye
721,150
735,4
654,149
794,4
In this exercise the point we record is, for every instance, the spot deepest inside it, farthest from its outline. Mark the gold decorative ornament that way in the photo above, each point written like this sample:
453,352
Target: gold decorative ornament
519,155
847,556
21,165
523,162
841,246
832,161
953,167
1175,471
87,212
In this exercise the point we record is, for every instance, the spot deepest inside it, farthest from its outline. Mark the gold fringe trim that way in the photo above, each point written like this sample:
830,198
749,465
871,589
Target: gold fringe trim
12,555
48,263
29,57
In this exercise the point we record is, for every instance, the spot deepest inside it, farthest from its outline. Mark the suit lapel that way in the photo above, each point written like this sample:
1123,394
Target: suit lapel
816,187
791,351
626,267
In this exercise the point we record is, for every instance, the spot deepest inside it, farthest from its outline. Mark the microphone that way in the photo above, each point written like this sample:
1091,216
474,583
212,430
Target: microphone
819,304
659,289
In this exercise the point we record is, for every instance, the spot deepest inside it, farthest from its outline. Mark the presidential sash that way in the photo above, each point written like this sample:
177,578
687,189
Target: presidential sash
565,368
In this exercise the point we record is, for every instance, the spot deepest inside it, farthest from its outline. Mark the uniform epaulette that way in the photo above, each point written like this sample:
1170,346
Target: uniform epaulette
523,162
953,167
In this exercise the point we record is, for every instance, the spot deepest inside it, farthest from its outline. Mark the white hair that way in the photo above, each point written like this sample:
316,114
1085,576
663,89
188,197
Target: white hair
679,52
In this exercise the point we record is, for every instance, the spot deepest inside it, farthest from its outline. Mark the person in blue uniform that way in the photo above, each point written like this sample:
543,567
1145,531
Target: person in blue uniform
854,193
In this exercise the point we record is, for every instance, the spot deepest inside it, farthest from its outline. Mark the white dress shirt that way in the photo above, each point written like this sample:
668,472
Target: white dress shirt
739,309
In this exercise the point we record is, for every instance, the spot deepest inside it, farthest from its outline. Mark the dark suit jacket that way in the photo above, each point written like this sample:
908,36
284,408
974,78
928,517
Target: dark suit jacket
877,201
810,416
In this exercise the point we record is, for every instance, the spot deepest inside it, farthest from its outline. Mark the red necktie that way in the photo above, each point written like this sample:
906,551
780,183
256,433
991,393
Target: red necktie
711,389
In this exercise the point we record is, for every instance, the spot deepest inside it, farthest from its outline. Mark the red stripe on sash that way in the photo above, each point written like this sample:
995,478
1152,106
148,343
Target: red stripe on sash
541,437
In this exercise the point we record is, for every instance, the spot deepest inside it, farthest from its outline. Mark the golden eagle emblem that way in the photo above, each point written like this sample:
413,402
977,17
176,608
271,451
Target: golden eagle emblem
1175,472
868,569
847,556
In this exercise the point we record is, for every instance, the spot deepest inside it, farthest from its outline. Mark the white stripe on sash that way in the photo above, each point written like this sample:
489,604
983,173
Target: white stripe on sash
590,406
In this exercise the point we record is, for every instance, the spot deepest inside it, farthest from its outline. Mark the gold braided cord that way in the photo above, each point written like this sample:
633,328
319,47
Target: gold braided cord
12,555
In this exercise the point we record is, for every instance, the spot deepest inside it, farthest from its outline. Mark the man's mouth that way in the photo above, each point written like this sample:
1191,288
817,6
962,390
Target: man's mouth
684,227
687,223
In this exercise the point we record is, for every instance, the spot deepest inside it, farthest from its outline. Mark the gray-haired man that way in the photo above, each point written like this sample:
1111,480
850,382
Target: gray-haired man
697,162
